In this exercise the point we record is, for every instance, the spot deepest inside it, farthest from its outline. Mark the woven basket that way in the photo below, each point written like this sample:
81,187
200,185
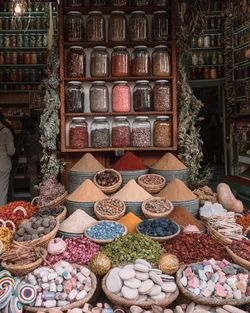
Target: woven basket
149,214
23,269
170,175
58,201
161,239
43,241
111,189
218,236
117,300
208,301
61,217
77,304
103,241
152,188
238,260
108,217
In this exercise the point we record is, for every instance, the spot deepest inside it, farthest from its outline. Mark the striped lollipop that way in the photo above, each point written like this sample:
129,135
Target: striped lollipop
5,295
4,273
27,293
15,306
7,281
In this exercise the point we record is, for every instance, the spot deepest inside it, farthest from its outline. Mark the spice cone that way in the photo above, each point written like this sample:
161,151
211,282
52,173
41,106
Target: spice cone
77,222
132,192
87,164
169,162
87,192
177,191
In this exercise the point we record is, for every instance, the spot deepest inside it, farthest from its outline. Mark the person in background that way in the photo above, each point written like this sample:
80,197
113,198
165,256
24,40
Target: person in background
32,148
7,149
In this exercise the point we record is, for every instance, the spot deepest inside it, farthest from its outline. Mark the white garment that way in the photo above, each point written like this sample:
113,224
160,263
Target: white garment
7,149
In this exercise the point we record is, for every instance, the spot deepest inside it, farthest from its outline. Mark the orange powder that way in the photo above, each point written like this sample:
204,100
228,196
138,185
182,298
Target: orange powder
130,221
169,162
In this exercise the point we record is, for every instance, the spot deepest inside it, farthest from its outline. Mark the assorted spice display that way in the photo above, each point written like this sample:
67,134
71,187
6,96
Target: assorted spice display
140,282
168,162
124,249
213,279
161,227
194,247
110,208
241,248
210,209
132,192
78,133
205,193
130,220
129,162
106,178
244,221
152,179
158,205
105,230
87,164
50,211
6,237
121,136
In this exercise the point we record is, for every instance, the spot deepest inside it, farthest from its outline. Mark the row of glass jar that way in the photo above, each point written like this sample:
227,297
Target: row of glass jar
144,98
207,41
17,87
240,55
21,75
97,3
29,41
242,37
117,27
242,71
19,57
207,58
38,22
214,72
34,6
121,134
121,63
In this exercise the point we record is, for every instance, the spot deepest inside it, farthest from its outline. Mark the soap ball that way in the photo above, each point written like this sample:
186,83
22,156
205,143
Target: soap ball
190,229
100,264
169,263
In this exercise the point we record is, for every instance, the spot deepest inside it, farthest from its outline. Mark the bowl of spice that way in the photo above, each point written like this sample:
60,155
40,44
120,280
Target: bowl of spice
58,212
160,229
105,231
153,183
108,180
157,207
109,209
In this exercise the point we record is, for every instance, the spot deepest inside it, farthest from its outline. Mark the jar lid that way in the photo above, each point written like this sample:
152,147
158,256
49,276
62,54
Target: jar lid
100,118
95,12
76,47
160,11
163,117
98,82
140,47
120,47
142,82
74,12
120,118
141,117
75,82
138,12
78,118
160,46
162,81
117,12
121,82
100,47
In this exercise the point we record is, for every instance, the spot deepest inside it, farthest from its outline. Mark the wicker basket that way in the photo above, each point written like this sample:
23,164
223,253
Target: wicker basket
238,260
117,300
58,201
149,214
161,239
43,241
61,217
103,241
218,236
208,301
108,217
22,268
77,304
152,188
128,175
169,175
111,189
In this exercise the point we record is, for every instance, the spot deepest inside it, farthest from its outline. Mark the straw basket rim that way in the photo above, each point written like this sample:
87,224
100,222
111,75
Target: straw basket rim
151,215
218,236
110,189
238,260
104,241
61,217
58,201
118,300
204,300
110,218
73,305
152,188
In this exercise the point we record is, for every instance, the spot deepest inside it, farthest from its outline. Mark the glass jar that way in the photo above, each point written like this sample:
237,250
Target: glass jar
162,96
95,26
74,3
117,26
97,3
78,133
160,3
141,132
76,62
99,97
140,61
120,134
161,62
26,58
120,62
99,62
140,3
33,58
162,132
118,3
100,137
73,26
160,26
13,57
74,96
121,97
142,96
138,26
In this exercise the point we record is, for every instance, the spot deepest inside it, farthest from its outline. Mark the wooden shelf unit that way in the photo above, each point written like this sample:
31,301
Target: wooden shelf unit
63,45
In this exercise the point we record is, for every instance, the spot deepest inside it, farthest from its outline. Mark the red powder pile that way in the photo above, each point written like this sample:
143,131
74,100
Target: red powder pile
129,162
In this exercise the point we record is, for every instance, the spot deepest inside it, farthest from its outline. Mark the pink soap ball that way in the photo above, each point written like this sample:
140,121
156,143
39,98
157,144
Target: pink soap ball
190,229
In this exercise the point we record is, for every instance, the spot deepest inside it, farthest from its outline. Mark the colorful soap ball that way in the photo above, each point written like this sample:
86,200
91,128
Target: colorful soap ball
100,264
169,263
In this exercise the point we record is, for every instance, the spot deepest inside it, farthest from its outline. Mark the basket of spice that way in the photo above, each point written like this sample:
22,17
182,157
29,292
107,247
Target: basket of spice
161,229
58,212
37,231
108,180
109,209
157,207
21,259
239,251
105,231
153,183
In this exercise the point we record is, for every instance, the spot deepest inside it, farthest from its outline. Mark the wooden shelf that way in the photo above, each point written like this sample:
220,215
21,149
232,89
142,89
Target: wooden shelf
242,62
203,48
89,114
112,79
22,31
119,149
108,10
23,48
129,44
206,65
20,83
22,65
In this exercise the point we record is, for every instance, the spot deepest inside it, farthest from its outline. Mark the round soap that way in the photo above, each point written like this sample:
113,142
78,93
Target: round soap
5,295
132,283
144,262
155,291
160,296
6,281
27,293
156,278
129,293
146,286
169,287
141,268
141,276
126,274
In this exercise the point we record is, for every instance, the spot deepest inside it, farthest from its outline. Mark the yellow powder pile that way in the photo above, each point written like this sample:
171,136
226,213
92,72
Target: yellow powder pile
177,191
132,192
87,164
169,163
87,192
130,221
77,222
